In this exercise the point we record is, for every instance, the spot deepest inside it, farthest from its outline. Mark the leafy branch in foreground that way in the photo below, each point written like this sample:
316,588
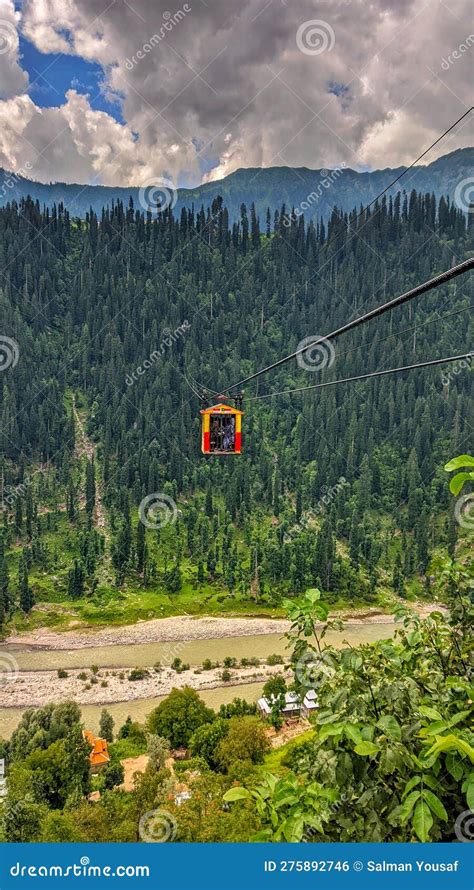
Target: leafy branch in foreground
392,756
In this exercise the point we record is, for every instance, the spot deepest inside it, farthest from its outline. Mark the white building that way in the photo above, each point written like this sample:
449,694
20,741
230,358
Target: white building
293,705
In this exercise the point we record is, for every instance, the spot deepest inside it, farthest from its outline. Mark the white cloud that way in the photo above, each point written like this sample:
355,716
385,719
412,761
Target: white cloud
230,78
12,79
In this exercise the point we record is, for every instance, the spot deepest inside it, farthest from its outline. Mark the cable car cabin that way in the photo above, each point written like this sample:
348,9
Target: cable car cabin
221,430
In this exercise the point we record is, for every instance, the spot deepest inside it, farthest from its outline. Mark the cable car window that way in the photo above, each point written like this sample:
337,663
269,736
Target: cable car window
222,436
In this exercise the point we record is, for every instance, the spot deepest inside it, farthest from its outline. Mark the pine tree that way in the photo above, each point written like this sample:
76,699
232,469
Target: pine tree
24,591
106,725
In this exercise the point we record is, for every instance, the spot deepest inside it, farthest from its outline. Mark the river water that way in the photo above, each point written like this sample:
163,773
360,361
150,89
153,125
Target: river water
147,654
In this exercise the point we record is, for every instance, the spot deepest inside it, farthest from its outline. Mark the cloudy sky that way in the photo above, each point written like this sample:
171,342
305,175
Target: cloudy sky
122,93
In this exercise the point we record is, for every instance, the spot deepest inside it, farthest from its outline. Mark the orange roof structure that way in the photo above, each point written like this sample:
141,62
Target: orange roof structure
99,755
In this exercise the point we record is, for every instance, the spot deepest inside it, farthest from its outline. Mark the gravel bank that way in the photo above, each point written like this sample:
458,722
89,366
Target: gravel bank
31,689
161,630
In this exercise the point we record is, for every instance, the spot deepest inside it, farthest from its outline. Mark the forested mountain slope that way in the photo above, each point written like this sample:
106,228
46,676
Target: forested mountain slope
340,487
313,192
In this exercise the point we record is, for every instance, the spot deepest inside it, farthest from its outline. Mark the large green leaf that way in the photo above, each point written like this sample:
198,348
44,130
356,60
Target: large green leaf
435,805
353,733
390,727
457,482
451,743
432,713
464,460
407,805
468,788
411,784
422,821
366,749
313,594
237,794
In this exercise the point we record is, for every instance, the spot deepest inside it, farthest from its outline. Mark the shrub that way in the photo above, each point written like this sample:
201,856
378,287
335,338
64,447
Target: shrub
138,674
62,674
275,659
178,716
245,740
179,666
113,775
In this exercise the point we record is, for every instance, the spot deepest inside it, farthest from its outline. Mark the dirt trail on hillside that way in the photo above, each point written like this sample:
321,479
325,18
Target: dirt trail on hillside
85,447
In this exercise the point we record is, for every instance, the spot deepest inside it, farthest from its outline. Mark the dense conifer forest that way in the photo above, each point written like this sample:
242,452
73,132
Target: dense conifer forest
120,319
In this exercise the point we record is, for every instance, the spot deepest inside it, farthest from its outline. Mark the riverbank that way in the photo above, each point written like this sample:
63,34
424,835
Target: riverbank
31,689
186,628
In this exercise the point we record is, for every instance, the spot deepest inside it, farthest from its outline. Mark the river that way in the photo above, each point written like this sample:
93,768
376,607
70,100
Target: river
146,654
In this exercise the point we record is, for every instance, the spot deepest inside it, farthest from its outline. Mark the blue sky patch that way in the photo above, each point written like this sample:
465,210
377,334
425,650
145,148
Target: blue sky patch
53,74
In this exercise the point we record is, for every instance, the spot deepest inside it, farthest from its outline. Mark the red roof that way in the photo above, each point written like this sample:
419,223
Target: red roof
100,752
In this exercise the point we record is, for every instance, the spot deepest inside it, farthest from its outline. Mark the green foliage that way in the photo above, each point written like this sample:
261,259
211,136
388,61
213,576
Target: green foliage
138,674
393,751
106,725
113,775
458,481
178,716
205,740
238,707
158,752
296,510
245,740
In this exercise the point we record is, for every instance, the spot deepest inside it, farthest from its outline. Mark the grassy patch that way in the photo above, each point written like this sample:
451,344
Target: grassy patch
273,760
124,748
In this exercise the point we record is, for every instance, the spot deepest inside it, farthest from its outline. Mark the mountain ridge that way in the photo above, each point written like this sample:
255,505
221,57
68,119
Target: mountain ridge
318,190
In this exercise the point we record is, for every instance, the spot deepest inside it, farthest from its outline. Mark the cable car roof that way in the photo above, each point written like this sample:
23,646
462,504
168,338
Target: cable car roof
221,408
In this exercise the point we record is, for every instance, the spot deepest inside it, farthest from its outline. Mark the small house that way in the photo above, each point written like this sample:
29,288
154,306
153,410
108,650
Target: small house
309,704
291,707
99,756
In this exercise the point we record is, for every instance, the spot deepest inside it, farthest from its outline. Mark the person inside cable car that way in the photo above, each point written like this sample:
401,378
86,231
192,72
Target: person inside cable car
214,433
228,440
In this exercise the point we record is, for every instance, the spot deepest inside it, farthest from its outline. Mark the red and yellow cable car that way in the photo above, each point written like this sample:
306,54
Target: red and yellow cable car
221,429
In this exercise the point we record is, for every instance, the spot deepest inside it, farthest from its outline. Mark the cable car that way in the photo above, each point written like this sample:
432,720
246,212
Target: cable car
221,429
